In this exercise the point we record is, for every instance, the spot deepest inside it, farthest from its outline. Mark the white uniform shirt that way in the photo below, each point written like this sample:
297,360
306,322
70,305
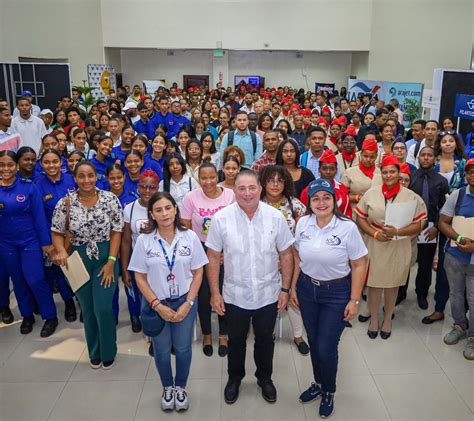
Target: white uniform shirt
31,131
180,189
411,158
137,216
148,257
325,253
251,276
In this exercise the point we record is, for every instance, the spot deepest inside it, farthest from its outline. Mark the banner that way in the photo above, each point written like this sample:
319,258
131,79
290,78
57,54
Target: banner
101,77
386,91
464,106
328,87
151,86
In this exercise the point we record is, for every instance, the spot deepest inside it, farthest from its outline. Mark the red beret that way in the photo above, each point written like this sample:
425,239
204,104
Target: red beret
370,145
295,107
351,130
404,168
342,119
284,101
389,159
328,157
326,109
323,120
336,122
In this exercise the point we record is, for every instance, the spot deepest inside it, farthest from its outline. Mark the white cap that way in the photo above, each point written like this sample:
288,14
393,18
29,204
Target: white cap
129,106
46,111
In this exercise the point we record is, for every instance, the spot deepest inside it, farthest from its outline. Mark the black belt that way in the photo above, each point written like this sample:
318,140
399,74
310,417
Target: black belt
318,283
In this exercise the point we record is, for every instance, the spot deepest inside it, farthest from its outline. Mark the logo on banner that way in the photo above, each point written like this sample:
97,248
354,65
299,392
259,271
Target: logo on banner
471,104
464,106
360,88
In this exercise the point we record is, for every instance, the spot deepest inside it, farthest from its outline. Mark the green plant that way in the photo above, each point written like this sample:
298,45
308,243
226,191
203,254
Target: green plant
412,111
86,91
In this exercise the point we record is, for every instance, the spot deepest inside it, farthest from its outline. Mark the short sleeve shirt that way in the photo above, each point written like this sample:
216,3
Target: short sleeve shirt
137,216
325,252
148,257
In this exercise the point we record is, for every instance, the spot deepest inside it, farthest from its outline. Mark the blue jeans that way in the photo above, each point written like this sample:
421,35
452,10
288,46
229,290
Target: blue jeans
180,336
322,309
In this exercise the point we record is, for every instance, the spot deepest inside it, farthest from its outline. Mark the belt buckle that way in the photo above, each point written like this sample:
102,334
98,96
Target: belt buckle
316,282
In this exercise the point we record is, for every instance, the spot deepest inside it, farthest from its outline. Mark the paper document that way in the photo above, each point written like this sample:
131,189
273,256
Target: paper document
463,226
421,237
76,273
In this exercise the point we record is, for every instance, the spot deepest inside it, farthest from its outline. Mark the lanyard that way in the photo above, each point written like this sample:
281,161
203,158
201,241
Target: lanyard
391,201
173,258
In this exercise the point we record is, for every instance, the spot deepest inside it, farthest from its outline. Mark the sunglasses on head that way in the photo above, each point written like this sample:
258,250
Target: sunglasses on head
445,132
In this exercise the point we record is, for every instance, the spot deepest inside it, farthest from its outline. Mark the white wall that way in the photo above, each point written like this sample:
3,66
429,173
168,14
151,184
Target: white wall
310,25
68,29
360,64
278,68
412,37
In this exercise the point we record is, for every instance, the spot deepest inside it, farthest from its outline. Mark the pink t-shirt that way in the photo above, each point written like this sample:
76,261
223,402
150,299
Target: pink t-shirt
197,207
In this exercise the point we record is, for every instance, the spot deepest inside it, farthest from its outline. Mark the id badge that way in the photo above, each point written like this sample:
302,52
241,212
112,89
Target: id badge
173,285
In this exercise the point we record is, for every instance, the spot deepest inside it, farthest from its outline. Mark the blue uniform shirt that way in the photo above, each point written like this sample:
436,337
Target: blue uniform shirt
127,197
130,185
181,121
51,192
169,121
147,128
152,164
101,167
119,153
22,217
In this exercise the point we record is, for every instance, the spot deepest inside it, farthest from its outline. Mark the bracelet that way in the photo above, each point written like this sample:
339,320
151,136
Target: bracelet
376,233
459,238
113,258
153,301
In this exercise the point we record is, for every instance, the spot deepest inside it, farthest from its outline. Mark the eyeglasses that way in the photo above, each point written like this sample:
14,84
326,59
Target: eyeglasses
445,132
194,150
148,187
275,181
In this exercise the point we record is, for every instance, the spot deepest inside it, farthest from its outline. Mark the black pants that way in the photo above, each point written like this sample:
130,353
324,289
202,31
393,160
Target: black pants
426,253
238,323
204,306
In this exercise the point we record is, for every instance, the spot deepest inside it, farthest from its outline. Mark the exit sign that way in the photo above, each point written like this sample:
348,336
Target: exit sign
218,53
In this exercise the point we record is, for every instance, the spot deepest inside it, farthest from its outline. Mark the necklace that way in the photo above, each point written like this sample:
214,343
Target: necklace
85,198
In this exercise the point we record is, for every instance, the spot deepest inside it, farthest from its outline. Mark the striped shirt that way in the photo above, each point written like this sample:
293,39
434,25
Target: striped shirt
251,247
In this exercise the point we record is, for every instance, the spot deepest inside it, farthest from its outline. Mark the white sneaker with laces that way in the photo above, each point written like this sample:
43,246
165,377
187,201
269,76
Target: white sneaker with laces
167,399
181,399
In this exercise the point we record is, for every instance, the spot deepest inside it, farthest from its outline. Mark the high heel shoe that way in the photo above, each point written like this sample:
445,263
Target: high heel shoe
363,318
372,334
384,334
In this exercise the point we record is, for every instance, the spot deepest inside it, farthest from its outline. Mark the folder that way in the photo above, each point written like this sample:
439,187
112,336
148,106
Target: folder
463,226
76,273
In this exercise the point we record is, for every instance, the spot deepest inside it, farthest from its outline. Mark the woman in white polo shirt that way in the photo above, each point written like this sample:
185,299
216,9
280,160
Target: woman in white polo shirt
168,262
328,245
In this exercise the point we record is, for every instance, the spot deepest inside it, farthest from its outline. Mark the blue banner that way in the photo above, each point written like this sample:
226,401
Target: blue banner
464,107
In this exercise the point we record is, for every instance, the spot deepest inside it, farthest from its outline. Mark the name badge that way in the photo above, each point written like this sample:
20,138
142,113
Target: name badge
47,197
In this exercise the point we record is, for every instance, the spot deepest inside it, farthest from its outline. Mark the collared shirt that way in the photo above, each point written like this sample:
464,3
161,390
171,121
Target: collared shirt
300,139
179,189
35,110
244,142
247,109
31,131
411,158
137,216
148,257
325,252
312,163
251,275
9,140
147,128
437,188
262,162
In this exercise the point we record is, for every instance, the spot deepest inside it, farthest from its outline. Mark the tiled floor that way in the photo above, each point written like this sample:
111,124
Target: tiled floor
412,376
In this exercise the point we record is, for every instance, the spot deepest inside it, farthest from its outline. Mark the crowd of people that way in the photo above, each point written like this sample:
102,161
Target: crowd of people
246,203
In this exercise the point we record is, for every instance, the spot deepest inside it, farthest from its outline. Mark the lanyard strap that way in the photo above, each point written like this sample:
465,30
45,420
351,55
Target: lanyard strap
391,201
173,258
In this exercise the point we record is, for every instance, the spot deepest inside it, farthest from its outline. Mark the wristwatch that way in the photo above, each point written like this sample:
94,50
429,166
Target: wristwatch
287,290
356,302
190,302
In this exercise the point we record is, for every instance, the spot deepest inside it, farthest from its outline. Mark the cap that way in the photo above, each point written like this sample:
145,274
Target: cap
351,130
389,159
328,157
129,106
27,93
46,111
336,122
318,185
370,145
404,168
469,163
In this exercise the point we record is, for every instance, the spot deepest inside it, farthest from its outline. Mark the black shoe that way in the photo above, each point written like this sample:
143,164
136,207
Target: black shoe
303,347
348,324
269,392
364,297
231,391
400,298
363,318
150,350
428,320
70,311
208,350
372,334
136,324
27,325
49,327
7,315
222,350
385,335
422,302
36,308
108,365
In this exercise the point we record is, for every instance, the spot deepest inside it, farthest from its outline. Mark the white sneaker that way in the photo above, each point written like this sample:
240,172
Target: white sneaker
167,399
181,399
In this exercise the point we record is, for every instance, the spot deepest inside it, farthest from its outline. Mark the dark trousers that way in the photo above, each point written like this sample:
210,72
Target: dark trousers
204,304
442,285
322,309
238,324
426,253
